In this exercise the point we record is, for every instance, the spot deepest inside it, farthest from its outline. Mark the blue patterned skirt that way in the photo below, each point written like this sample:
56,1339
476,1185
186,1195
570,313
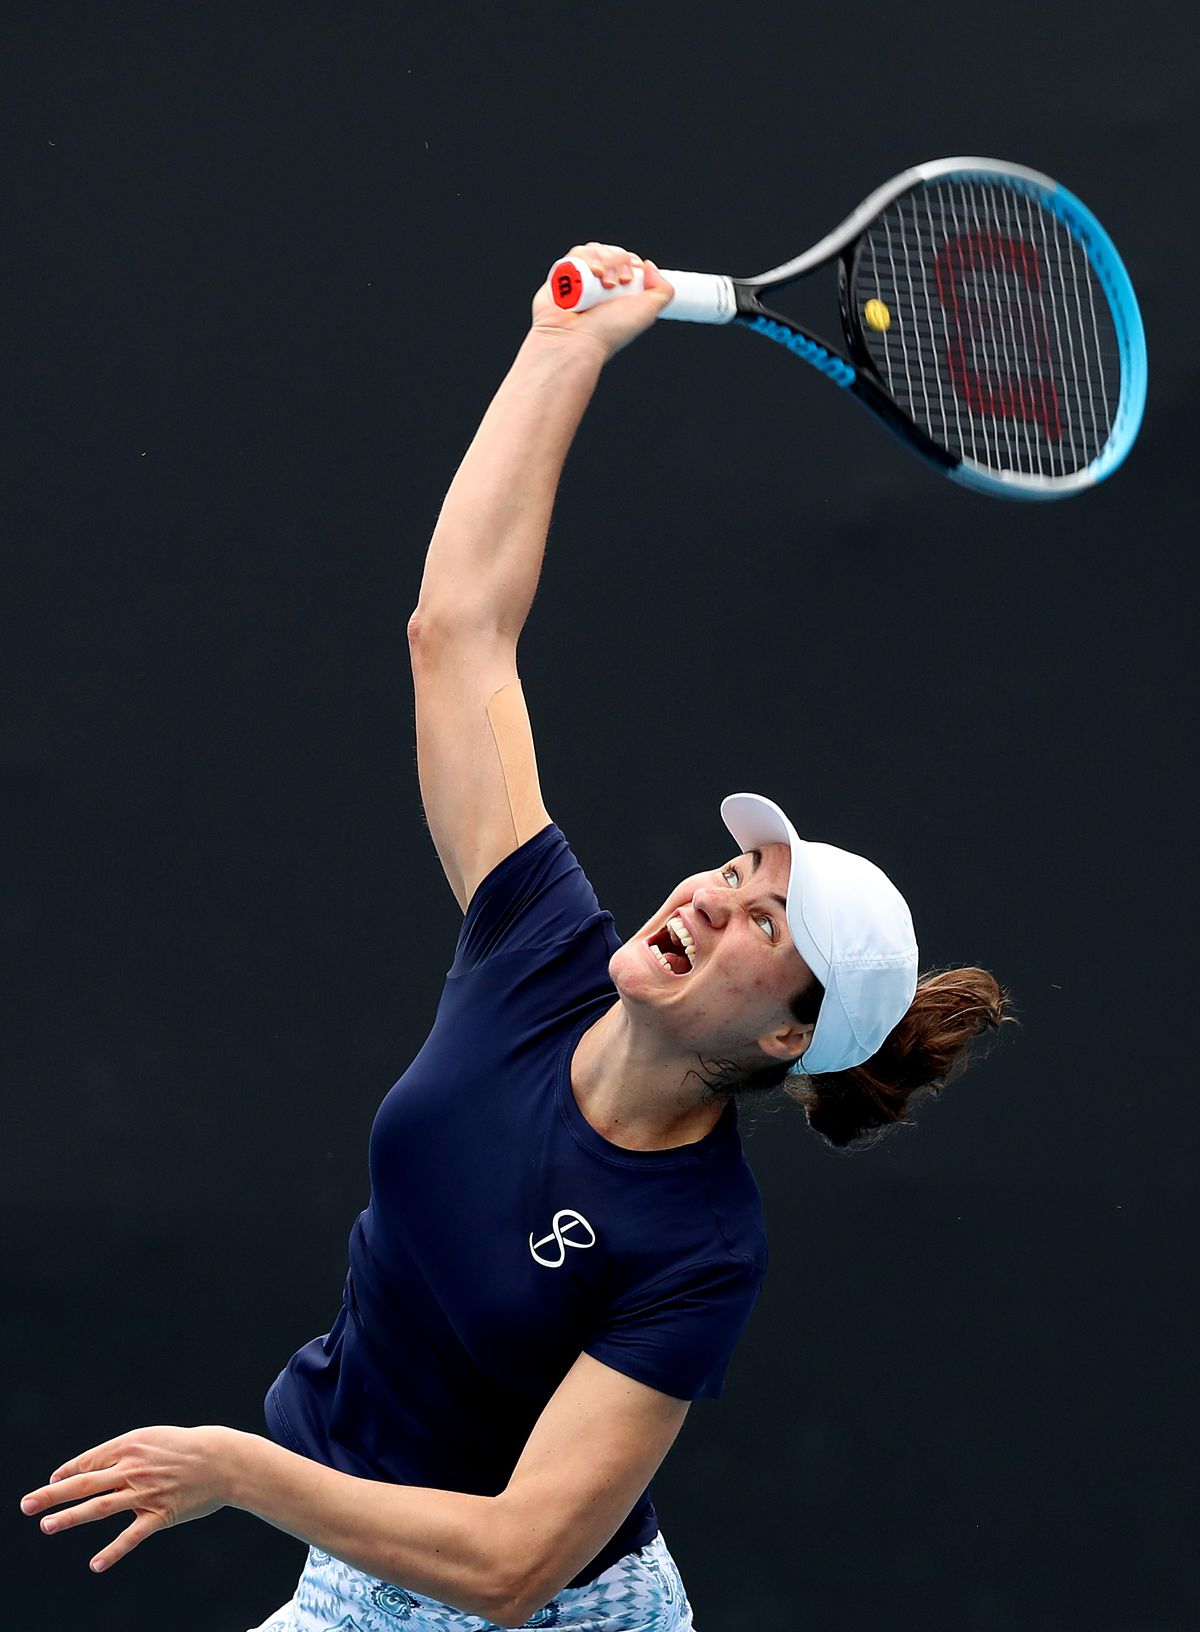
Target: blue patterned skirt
641,1592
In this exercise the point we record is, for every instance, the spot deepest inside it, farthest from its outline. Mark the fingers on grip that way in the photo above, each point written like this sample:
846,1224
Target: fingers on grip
611,264
575,284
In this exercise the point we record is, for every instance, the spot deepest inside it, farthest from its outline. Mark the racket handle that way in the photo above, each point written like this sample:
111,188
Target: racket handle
700,297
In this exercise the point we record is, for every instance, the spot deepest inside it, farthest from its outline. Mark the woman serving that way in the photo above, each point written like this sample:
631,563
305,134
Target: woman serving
564,1242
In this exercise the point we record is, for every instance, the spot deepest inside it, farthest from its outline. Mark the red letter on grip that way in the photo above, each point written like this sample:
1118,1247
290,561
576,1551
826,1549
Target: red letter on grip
983,317
566,285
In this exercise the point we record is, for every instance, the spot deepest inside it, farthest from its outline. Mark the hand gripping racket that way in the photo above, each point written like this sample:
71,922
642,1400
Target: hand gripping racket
987,316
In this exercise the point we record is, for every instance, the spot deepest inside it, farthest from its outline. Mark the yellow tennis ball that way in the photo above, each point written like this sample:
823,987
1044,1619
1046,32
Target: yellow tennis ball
877,315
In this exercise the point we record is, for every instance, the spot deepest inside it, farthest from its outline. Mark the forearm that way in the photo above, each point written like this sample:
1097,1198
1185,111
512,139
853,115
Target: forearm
437,1542
483,562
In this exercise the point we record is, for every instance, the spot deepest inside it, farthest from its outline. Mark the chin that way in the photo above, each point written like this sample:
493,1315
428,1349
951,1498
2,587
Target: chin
621,965
635,982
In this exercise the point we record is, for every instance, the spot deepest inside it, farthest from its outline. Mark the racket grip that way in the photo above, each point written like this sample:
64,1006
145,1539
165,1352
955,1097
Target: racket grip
700,297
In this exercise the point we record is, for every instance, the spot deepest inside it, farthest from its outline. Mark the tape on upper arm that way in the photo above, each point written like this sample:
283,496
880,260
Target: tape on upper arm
513,736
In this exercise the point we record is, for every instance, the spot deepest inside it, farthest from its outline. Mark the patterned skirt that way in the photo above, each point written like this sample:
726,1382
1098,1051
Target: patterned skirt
641,1592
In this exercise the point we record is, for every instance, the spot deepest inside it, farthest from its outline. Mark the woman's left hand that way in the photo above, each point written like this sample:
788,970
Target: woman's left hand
164,1475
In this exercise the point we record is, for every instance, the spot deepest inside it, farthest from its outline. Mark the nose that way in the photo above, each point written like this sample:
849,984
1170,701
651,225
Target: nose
713,905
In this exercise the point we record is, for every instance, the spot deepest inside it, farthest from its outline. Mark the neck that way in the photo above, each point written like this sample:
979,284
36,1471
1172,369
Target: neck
635,1092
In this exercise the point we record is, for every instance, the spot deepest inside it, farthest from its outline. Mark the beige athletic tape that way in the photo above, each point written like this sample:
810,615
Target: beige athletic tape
513,736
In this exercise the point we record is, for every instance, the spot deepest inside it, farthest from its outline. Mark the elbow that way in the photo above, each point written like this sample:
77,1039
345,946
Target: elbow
518,1606
430,634
418,630
520,1581
498,1584
506,1600
512,1589
496,1593
526,1586
512,1609
435,628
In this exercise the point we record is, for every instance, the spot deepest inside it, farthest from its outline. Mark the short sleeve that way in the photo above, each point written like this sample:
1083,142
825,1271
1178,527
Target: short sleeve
678,1333
537,896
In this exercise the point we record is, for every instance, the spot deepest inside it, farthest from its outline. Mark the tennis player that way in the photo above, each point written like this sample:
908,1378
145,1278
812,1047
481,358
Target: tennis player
564,1242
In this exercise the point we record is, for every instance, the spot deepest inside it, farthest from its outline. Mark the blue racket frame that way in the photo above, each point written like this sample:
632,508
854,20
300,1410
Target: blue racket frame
859,376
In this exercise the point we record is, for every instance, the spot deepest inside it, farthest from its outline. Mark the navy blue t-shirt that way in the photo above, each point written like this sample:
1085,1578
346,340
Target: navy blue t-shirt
504,1235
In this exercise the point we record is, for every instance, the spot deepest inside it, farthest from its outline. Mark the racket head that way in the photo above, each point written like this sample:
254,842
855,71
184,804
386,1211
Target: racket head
991,307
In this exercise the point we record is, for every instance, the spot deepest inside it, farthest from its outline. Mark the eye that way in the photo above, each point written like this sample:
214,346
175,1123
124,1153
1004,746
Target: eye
765,923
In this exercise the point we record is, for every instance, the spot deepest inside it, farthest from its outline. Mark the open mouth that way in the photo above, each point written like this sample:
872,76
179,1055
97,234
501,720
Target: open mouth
674,948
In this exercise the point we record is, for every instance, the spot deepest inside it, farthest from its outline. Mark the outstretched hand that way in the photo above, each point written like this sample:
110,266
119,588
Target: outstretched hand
616,322
164,1475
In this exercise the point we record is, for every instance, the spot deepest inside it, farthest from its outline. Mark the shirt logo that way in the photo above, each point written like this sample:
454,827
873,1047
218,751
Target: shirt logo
565,1223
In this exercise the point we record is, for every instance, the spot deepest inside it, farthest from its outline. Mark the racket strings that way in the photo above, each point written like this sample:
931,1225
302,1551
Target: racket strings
991,332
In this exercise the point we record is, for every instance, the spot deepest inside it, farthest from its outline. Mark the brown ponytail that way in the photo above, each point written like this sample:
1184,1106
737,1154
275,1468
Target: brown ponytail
928,1049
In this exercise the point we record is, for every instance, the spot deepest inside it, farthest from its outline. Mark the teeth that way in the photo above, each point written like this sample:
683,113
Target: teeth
685,940
661,959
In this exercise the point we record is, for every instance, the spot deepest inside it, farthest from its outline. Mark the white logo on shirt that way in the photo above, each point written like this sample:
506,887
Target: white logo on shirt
565,1220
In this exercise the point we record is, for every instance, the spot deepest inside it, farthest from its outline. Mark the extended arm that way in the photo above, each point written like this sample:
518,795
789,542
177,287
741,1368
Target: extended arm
593,1451
475,752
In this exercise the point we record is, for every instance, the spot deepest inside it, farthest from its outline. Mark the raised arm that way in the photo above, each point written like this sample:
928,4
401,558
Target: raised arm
475,755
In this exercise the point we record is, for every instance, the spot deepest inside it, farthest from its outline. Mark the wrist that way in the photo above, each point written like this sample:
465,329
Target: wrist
240,1457
560,347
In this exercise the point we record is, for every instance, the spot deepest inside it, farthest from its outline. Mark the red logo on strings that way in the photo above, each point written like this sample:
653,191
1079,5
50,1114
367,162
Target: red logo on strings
985,318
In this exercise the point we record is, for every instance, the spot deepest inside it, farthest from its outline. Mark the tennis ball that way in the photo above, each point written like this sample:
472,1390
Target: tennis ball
877,315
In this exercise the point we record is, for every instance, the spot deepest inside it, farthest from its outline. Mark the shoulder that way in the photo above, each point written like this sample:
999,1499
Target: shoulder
537,896
677,1333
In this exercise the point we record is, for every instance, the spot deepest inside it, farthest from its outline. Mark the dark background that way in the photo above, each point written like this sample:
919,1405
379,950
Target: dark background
266,266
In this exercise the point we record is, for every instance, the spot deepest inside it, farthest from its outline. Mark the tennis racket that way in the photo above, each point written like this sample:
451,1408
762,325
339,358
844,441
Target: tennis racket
987,316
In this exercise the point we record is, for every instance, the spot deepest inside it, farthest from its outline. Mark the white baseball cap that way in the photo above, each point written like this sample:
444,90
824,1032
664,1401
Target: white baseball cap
851,926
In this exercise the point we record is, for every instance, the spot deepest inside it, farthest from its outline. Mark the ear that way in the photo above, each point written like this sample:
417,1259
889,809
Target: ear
788,1042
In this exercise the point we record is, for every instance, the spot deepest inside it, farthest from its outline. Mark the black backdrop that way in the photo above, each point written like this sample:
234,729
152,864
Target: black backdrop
267,266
